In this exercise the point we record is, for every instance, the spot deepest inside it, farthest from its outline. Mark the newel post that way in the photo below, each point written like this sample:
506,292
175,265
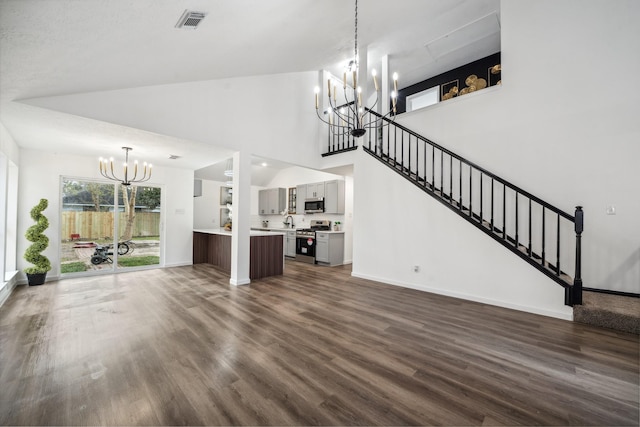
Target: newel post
577,279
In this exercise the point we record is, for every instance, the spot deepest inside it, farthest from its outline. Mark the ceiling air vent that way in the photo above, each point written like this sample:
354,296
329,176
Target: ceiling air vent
190,19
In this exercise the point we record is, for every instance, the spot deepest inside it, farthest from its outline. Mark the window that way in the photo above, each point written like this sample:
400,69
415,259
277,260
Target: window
423,99
8,221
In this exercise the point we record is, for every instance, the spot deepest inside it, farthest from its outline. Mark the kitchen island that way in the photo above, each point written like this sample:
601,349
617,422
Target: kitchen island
213,246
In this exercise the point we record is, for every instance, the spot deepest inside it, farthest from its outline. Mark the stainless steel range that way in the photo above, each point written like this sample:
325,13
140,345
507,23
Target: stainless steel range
306,240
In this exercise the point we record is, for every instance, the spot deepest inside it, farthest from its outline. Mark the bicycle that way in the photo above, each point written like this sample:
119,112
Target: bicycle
126,247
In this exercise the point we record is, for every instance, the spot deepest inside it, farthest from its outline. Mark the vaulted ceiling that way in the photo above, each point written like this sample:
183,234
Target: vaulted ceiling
57,47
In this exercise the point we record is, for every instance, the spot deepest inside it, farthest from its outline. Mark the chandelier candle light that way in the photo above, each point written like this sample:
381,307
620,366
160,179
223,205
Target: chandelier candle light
106,169
352,117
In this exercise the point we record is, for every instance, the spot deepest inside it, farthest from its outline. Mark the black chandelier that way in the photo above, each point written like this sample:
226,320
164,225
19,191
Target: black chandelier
353,117
106,170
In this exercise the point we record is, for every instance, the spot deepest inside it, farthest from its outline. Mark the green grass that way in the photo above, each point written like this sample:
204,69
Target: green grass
136,261
73,267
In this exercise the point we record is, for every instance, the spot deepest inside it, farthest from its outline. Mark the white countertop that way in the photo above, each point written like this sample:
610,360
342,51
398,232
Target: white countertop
283,230
223,232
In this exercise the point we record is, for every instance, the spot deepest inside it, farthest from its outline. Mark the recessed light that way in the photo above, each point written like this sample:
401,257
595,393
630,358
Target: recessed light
173,157
264,164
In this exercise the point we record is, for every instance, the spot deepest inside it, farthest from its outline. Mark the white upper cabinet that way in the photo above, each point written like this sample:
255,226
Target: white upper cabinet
272,201
334,197
315,190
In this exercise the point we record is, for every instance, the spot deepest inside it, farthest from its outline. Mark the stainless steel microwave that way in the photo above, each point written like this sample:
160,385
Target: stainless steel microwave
315,205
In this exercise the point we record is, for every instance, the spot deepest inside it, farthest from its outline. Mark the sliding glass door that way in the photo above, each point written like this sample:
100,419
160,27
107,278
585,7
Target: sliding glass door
105,226
139,227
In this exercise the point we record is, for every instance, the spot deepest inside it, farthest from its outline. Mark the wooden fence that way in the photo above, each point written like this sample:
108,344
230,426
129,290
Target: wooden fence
99,225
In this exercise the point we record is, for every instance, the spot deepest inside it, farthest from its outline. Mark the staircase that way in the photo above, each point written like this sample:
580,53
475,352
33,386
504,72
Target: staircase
543,235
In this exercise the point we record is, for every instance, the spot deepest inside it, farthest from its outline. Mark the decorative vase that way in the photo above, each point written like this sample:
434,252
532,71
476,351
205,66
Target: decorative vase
36,279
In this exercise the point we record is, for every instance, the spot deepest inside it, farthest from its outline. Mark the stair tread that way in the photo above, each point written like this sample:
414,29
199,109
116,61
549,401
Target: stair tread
618,312
609,302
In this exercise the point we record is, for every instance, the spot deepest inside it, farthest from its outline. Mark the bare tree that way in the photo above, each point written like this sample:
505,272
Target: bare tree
95,190
129,198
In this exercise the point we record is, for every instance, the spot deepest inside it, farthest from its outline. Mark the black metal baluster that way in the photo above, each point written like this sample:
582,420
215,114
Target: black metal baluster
544,237
401,149
368,136
470,192
433,168
504,212
424,162
388,144
450,178
408,155
441,172
558,245
460,195
395,146
517,239
529,227
380,138
492,228
481,201
374,135
418,177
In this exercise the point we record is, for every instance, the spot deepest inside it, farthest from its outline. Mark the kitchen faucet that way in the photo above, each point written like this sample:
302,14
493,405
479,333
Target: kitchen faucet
287,221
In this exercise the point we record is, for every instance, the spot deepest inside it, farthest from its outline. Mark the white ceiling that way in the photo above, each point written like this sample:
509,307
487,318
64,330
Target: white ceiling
58,47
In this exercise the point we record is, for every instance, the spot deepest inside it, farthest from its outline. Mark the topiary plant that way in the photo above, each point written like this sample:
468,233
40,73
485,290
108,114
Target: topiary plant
40,241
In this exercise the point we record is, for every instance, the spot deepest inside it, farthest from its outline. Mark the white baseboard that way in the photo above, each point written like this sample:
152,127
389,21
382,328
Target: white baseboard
497,303
179,264
239,282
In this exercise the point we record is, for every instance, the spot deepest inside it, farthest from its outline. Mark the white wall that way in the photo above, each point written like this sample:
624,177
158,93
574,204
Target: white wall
398,227
270,116
556,128
8,146
206,208
9,160
40,174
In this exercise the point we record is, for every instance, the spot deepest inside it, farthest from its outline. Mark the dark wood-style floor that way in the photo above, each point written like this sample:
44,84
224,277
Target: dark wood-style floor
313,347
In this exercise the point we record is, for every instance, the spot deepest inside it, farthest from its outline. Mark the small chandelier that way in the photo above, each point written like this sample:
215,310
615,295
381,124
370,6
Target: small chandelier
353,117
106,170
